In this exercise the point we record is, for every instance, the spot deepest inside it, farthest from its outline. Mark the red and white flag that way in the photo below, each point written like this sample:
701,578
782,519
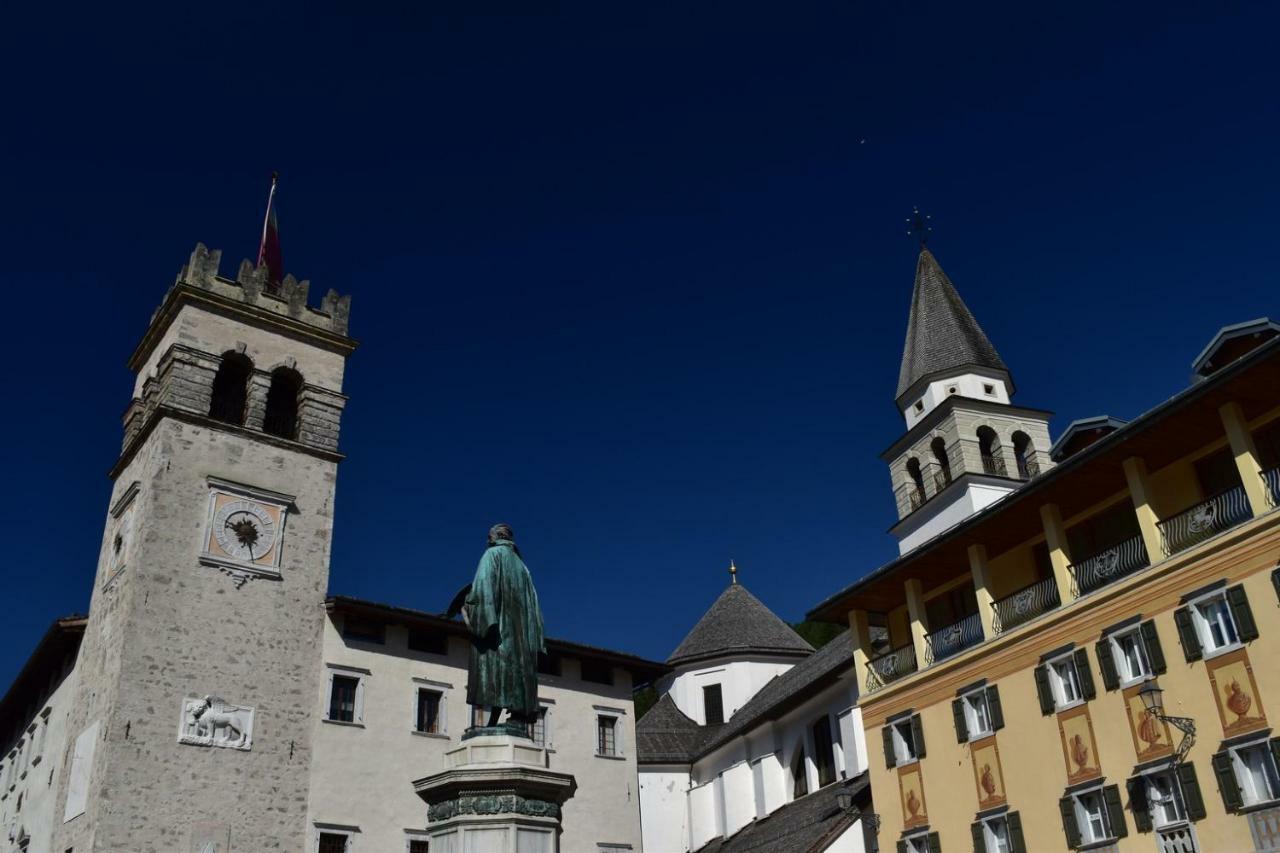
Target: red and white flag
269,250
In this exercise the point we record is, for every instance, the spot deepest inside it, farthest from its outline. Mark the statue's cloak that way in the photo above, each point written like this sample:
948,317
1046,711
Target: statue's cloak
506,633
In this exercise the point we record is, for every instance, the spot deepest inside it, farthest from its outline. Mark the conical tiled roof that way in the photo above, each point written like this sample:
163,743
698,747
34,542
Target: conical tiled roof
942,333
738,624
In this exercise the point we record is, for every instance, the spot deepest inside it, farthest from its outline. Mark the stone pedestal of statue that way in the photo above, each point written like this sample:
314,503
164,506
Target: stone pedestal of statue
496,795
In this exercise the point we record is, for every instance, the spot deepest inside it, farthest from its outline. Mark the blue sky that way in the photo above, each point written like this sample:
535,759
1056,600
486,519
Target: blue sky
634,279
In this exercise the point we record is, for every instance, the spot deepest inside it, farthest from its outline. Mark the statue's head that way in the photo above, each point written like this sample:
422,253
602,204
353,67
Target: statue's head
501,531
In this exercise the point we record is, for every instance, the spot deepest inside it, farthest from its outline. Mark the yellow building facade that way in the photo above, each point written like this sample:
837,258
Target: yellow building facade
1003,698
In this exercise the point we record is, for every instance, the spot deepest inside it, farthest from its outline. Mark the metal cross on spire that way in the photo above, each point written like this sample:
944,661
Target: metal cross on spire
918,226
733,572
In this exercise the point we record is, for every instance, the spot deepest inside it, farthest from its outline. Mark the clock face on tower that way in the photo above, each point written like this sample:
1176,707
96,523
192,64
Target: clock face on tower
245,529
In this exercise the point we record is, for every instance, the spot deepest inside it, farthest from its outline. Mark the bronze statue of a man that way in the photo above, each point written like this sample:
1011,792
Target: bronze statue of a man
501,609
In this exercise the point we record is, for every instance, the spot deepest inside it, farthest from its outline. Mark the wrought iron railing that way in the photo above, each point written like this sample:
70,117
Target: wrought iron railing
941,479
1110,565
1027,468
953,639
890,666
994,465
1024,605
917,497
1206,519
1271,477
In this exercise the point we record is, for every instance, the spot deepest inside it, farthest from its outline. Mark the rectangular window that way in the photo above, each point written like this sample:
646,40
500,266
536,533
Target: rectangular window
1165,797
1091,815
548,664
712,705
418,845
343,692
917,844
333,842
479,716
1065,680
1130,656
995,835
904,744
539,729
597,673
824,751
1255,768
432,642
977,715
427,718
364,630
606,735
1214,623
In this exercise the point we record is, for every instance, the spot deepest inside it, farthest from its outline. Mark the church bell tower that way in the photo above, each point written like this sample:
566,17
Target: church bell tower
193,721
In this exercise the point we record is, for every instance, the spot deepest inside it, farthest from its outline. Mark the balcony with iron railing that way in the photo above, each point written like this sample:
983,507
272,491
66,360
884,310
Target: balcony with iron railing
952,639
1271,477
1205,520
1110,564
1027,468
890,666
994,465
1018,608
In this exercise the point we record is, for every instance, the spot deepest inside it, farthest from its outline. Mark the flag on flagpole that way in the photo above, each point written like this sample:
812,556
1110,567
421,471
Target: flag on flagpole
269,249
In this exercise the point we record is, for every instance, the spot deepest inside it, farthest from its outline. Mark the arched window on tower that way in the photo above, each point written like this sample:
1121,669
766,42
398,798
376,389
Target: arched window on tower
799,775
1027,468
230,388
917,493
281,416
943,475
989,450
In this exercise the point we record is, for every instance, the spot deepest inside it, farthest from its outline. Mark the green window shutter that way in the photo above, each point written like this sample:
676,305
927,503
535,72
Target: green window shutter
935,843
1115,811
1016,840
1139,803
1155,653
1187,634
917,734
1067,806
1275,581
890,758
1085,674
1107,663
902,846
994,709
962,728
1191,791
1227,784
1242,613
979,839
1043,689
1275,750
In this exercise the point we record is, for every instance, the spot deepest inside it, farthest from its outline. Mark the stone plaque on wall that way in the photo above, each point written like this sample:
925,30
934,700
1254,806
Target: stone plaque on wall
210,721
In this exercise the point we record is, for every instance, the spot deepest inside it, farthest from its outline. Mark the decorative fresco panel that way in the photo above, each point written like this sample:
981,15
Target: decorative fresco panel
1236,693
987,774
1079,747
1151,738
914,812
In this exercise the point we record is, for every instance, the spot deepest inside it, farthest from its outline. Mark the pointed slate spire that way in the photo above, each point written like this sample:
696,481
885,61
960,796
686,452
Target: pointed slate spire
942,334
738,623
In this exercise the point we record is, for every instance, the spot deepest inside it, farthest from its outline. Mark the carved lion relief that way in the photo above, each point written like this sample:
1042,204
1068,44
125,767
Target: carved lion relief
210,721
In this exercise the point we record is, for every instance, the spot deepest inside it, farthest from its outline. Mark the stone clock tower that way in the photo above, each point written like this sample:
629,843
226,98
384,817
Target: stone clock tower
194,715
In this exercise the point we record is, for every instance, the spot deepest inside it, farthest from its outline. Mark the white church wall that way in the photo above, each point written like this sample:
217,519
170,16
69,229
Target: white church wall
739,797
739,680
664,808
970,385
942,517
702,815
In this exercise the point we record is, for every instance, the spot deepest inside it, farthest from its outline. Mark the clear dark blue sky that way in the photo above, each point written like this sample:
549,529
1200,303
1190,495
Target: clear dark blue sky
633,279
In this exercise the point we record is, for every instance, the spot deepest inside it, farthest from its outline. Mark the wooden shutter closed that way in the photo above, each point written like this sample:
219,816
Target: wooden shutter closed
1115,811
1107,663
979,837
1067,805
1043,690
1155,653
1085,674
1227,784
1139,803
962,727
917,734
1246,627
1187,634
1013,820
994,709
1191,791
890,757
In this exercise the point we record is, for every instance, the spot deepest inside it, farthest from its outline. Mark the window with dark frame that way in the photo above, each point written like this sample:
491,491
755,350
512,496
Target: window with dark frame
364,630
799,775
596,672
342,700
431,642
824,751
606,735
548,664
332,842
713,704
281,412
418,845
428,717
538,731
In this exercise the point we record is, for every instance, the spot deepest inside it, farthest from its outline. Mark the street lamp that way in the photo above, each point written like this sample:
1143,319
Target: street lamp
1153,700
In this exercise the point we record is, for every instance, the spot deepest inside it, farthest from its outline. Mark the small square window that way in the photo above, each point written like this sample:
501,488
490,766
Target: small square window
427,718
988,389
953,389
344,698
919,407
333,842
1065,681
1255,769
1215,624
363,630
977,714
597,673
432,642
606,735
1091,815
1130,655
548,664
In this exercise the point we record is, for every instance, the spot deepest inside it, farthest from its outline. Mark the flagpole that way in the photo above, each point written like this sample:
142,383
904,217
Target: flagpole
266,220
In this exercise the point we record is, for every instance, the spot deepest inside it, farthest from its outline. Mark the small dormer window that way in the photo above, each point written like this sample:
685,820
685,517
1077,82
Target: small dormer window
988,389
951,389
919,406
